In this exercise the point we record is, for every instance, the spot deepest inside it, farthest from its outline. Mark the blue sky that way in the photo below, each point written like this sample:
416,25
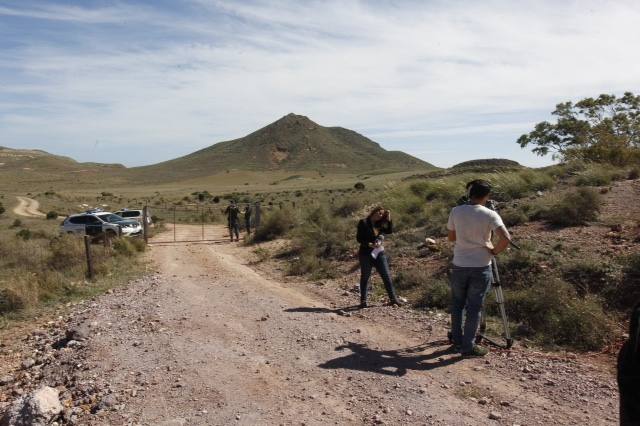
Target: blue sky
142,82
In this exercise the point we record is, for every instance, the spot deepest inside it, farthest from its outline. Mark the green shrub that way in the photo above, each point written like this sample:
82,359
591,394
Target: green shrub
628,291
347,208
435,293
16,223
633,174
515,185
65,252
576,208
128,246
446,190
274,225
589,276
25,234
514,216
556,316
324,235
2,210
599,176
359,186
52,215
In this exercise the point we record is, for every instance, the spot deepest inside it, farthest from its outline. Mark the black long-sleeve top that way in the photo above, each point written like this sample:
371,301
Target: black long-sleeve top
368,232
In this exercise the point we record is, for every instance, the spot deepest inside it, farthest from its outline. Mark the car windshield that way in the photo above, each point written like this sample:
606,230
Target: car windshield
110,217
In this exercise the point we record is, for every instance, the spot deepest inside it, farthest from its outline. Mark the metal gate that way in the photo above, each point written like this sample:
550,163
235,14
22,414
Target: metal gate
194,222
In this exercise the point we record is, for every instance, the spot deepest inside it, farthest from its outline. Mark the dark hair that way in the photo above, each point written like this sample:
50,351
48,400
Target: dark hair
478,188
374,210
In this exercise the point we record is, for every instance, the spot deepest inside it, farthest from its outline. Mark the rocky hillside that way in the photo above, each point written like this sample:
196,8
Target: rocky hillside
29,167
293,142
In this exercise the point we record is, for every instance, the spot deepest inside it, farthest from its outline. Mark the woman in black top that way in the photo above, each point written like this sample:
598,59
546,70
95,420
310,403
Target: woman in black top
370,235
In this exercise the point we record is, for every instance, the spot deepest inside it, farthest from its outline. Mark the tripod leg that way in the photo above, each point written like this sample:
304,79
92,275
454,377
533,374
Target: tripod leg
503,314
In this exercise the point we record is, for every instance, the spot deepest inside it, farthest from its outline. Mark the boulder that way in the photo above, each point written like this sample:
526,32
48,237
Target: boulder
38,408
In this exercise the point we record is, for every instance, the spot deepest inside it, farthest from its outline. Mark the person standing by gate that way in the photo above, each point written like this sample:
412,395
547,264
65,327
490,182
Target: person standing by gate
247,218
233,212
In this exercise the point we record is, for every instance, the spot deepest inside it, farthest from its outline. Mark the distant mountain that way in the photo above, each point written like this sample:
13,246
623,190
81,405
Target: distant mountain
293,143
33,166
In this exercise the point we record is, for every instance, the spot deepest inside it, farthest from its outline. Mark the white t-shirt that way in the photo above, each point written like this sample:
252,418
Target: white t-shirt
473,225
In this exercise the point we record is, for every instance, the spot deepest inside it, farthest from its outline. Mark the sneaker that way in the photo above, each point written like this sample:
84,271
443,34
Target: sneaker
476,351
363,305
396,302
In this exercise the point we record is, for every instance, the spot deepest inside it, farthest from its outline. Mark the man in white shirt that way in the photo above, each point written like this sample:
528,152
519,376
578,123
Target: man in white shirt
470,227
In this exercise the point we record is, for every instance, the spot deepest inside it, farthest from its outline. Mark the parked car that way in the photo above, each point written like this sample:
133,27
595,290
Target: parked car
133,214
95,223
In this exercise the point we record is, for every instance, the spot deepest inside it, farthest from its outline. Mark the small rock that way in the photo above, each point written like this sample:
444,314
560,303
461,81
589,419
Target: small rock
5,380
494,415
505,403
28,363
79,333
483,401
409,413
37,408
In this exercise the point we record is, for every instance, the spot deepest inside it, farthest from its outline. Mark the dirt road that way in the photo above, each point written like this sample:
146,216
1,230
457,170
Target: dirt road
208,340
28,207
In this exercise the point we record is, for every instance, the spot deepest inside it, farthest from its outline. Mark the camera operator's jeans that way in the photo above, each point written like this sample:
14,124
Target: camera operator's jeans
469,286
367,263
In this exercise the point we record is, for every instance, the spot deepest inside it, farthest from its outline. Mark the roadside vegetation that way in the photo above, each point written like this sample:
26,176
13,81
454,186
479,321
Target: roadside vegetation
40,268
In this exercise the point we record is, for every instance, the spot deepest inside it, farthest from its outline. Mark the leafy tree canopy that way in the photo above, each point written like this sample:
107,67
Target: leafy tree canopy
604,129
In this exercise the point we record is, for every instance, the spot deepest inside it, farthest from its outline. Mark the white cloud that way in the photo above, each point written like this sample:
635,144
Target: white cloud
408,71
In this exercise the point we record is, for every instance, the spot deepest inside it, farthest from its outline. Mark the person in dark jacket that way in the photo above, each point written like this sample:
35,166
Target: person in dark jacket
629,373
370,235
232,213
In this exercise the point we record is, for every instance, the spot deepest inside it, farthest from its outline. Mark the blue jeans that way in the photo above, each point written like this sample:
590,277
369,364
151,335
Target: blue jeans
367,263
469,286
234,228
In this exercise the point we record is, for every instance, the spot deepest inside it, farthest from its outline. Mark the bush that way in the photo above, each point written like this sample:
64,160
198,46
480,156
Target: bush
2,210
577,208
16,223
588,276
66,252
25,234
275,225
514,216
216,199
556,316
347,208
435,294
128,246
628,291
599,176
52,215
633,174
359,186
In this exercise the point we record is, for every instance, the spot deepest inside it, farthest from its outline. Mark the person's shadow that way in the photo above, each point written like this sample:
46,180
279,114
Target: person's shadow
392,362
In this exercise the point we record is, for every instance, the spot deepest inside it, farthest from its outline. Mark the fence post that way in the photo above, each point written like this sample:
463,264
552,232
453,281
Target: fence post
145,224
174,224
202,220
87,250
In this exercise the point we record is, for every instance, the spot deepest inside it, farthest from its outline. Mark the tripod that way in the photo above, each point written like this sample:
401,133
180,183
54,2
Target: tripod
497,289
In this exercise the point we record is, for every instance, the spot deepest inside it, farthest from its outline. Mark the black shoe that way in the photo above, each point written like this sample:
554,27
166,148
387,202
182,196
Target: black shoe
396,302
363,305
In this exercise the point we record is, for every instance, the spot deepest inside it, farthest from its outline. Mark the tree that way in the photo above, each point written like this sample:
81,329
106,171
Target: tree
604,129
